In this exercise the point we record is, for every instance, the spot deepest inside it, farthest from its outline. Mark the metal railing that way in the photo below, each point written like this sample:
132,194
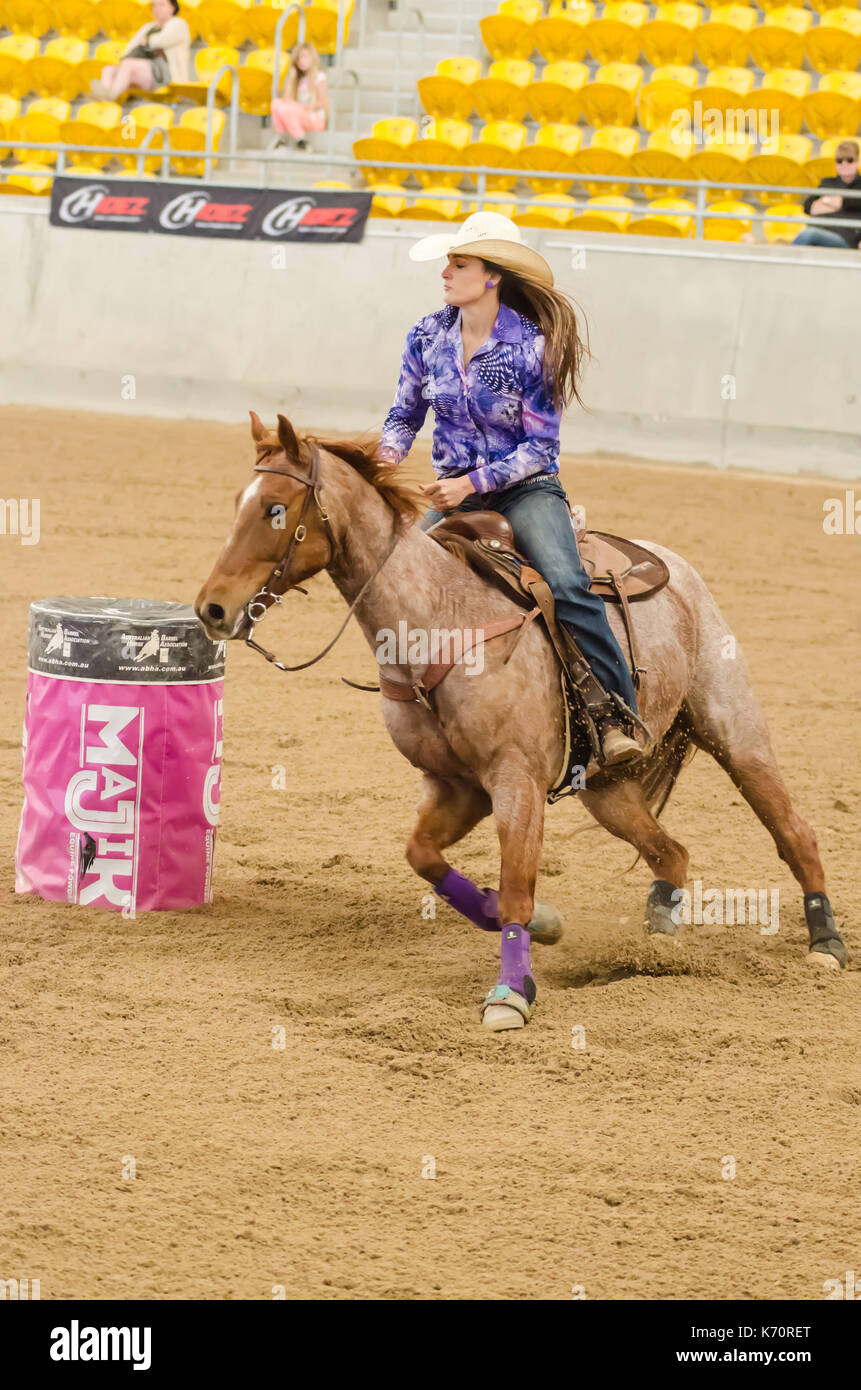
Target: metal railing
211,92
279,39
341,73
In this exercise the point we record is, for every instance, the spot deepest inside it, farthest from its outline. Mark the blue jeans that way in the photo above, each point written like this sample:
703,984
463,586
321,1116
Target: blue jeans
537,511
820,236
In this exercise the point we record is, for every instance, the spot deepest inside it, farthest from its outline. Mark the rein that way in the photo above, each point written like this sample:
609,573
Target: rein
258,606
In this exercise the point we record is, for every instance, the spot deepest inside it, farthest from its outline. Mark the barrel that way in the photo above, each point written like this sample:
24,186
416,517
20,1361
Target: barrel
122,755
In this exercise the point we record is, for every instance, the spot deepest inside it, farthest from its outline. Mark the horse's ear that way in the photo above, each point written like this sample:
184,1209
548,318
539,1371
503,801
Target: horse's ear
258,429
287,438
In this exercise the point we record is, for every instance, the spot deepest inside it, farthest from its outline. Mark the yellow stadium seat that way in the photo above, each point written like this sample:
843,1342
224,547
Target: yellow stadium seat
449,91
17,51
37,128
434,203
57,107
669,91
722,229
262,20
443,142
835,107
554,149
77,19
107,54
784,231
611,99
120,19
606,213
723,40
722,160
35,179
610,152
555,98
137,124
321,24
255,82
781,159
389,199
190,134
778,42
615,36
9,108
782,90
724,89
501,96
672,217
835,42
223,23
57,71
389,140
821,165
206,64
498,147
31,17
510,33
94,123
669,37
488,205
665,156
561,36
540,213
823,6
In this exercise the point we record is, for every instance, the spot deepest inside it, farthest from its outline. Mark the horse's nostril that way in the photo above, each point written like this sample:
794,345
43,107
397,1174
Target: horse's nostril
215,612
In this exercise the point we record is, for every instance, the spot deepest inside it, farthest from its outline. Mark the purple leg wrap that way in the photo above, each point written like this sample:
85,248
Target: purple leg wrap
514,969
479,905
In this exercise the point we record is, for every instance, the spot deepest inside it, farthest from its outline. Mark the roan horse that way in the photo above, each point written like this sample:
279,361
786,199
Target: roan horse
493,742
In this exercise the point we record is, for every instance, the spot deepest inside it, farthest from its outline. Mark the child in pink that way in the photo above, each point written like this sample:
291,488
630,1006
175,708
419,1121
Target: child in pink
304,101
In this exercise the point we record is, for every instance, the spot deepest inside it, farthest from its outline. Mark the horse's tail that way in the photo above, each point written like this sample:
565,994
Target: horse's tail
673,752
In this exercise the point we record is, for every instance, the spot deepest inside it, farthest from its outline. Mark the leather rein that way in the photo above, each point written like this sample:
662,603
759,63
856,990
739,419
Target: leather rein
257,607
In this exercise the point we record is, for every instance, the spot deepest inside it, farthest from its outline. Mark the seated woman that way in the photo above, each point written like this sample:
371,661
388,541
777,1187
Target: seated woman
156,56
304,101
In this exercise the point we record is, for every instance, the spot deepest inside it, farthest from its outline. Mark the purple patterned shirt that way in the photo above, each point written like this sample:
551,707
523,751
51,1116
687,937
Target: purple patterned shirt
494,419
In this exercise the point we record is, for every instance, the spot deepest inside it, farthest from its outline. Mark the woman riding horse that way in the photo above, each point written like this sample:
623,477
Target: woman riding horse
499,363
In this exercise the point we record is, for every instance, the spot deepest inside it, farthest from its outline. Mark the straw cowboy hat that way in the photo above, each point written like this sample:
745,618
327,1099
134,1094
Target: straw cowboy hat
492,237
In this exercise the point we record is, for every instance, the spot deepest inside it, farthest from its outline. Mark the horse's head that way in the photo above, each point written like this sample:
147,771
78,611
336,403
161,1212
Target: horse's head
280,534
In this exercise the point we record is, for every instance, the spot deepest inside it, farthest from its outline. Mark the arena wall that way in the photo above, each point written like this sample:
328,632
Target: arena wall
747,358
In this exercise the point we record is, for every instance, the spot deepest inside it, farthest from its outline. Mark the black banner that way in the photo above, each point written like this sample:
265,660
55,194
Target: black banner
195,209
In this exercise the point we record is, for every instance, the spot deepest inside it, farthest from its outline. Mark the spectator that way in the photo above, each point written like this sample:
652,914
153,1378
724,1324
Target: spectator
304,101
156,56
825,203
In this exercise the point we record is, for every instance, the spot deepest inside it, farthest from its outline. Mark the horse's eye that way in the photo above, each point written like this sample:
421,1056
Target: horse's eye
277,509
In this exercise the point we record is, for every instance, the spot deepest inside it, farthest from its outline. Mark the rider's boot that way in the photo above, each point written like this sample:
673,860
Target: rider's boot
617,747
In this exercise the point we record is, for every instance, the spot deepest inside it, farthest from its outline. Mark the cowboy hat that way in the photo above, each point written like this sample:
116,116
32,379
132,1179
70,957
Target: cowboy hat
490,236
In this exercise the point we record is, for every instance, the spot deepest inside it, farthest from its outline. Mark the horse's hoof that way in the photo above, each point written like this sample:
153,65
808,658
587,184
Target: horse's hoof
660,906
832,955
546,926
826,948
504,1008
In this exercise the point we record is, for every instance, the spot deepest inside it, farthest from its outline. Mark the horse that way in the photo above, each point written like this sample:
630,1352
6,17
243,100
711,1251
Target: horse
491,741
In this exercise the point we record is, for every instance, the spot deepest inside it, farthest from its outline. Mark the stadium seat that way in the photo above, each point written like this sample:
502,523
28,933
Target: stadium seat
781,159
34,179
610,152
784,231
107,54
497,147
605,213
57,107
782,90
778,42
723,40
835,107
449,91
432,204
669,37
389,199
120,19
443,142
389,140
554,149
206,63
31,17
255,82
665,156
94,123
17,51
488,205
321,24
721,229
725,88
77,19
57,71
190,134
670,217
612,98
615,36
135,127
510,33
224,23
540,213
722,160
262,20
36,127
501,96
835,42
668,93
561,36
9,108
555,98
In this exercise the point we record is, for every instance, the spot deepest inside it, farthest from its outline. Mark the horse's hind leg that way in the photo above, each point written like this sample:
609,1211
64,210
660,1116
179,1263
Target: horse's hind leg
621,807
734,731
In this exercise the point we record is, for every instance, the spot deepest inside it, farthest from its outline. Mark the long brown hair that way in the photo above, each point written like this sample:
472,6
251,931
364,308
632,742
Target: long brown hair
294,76
554,315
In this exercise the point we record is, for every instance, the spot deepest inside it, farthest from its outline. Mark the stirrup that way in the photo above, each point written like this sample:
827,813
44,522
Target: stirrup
504,994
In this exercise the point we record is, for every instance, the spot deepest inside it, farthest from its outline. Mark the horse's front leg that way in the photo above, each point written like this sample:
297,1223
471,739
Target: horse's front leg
518,808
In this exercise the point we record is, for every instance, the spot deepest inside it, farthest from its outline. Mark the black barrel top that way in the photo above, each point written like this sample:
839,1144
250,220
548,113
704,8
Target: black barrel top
136,640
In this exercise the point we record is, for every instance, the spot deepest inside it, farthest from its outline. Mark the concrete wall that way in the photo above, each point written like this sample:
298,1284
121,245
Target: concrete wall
736,362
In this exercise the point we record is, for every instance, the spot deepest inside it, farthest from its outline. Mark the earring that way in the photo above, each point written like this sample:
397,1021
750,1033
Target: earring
488,284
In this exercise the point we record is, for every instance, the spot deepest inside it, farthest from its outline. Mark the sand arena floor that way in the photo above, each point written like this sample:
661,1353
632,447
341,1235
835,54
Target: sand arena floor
303,1167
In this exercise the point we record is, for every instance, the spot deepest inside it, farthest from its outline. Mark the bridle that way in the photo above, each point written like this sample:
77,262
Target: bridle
258,606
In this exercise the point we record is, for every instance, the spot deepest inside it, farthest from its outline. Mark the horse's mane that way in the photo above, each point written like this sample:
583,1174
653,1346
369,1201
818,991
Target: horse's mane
362,455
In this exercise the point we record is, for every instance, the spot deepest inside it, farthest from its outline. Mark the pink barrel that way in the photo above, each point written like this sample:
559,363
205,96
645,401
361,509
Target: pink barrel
122,755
